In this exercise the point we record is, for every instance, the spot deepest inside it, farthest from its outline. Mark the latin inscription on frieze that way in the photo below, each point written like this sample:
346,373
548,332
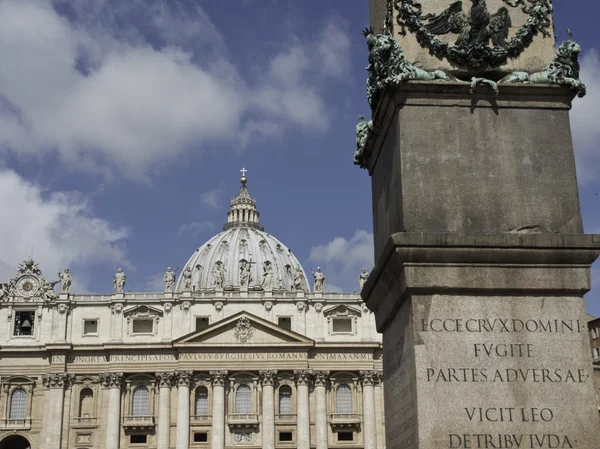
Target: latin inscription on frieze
504,379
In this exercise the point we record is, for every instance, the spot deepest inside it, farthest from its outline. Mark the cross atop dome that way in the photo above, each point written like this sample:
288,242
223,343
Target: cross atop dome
242,210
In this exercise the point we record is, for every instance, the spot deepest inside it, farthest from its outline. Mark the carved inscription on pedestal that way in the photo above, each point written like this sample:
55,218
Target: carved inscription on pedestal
507,373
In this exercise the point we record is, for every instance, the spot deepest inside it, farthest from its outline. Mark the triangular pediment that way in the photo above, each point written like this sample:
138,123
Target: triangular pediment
243,329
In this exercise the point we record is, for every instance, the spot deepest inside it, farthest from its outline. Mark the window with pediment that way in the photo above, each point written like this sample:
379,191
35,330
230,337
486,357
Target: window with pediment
243,399
342,320
17,397
201,406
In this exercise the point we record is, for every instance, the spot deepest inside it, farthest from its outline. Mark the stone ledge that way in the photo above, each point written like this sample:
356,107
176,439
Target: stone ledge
487,265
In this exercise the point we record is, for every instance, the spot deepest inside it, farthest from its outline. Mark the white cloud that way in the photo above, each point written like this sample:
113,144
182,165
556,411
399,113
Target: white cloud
213,197
585,117
154,283
334,49
341,259
195,228
58,228
101,96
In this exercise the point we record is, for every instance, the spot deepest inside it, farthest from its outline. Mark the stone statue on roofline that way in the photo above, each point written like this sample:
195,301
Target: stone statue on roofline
319,278
362,278
187,279
169,279
65,281
119,281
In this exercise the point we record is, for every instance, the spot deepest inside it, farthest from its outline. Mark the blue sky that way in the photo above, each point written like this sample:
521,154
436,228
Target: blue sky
123,127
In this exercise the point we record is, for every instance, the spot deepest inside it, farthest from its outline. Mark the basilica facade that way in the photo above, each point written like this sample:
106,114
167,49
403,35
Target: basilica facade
239,350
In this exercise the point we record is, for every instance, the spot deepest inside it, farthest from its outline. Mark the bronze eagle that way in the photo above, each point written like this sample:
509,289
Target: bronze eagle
475,28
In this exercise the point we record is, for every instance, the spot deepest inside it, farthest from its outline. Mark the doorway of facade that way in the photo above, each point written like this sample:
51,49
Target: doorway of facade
15,442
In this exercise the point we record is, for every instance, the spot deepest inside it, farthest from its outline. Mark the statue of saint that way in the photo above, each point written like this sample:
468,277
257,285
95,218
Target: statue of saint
362,278
245,275
267,282
299,279
119,281
319,280
187,279
196,277
169,279
4,291
65,281
219,275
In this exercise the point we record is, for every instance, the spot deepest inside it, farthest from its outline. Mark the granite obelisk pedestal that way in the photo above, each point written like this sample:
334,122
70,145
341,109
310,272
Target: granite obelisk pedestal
481,259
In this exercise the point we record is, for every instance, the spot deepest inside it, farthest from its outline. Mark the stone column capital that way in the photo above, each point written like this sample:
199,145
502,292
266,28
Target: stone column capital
321,378
111,380
184,378
302,376
218,378
267,377
166,379
369,377
56,380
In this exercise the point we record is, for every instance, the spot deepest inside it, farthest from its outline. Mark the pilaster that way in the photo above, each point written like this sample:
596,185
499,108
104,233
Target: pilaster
321,380
368,379
302,378
268,378
114,383
183,409
218,379
165,381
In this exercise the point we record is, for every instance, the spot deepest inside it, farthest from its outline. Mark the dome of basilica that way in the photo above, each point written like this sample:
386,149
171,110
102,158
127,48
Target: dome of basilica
243,255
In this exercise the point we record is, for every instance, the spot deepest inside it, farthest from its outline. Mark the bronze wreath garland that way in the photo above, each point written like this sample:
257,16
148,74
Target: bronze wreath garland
410,15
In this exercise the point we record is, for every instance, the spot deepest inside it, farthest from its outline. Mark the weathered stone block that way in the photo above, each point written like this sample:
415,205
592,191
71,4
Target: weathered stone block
442,160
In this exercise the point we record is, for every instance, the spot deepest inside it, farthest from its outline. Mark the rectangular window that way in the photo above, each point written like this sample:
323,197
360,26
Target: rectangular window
285,322
90,327
596,353
200,437
594,332
201,323
345,436
24,323
142,326
285,436
138,439
342,325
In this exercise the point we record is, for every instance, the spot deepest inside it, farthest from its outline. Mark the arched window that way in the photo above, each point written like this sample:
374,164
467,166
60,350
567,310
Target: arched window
86,403
201,401
141,402
243,399
18,404
343,399
285,400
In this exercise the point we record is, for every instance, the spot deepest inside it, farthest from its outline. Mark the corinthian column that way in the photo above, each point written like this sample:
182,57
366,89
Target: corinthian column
56,383
218,412
368,381
267,378
113,381
321,379
303,424
183,409
165,380
380,429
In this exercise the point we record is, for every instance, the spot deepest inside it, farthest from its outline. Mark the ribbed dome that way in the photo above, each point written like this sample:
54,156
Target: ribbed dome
243,242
